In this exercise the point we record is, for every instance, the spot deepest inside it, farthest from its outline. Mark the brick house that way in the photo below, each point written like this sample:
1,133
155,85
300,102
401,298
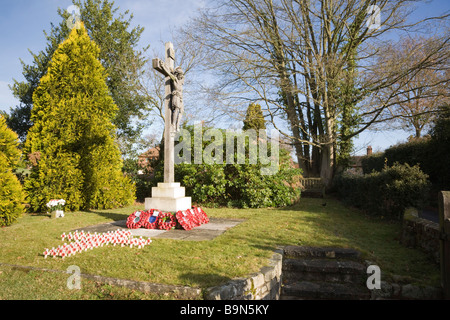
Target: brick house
145,160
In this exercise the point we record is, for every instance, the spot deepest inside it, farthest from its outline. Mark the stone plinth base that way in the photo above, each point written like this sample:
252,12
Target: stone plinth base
168,197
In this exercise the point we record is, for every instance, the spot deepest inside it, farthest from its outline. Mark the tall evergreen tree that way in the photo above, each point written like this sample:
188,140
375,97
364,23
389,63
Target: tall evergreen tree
119,55
254,119
72,142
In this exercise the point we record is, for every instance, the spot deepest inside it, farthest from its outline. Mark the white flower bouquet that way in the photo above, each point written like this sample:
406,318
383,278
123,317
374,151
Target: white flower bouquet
57,205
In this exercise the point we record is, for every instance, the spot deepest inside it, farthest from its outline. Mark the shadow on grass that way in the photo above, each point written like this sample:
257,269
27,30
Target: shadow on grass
110,215
204,280
113,214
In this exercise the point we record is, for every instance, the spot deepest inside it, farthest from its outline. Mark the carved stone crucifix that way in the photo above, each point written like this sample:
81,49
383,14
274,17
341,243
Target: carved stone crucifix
173,105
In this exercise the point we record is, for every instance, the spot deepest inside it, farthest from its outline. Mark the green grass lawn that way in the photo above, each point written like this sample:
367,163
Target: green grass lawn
238,252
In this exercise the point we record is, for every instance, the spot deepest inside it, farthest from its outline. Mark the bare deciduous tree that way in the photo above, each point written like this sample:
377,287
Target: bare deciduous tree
307,62
418,96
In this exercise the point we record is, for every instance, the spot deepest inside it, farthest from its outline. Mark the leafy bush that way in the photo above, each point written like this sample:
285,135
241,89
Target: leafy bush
11,194
205,183
9,144
386,193
142,181
236,185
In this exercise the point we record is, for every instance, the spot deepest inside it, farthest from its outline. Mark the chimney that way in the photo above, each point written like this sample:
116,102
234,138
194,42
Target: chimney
369,150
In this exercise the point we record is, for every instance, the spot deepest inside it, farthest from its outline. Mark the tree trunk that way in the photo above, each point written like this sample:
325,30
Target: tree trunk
327,166
328,146
418,131
287,87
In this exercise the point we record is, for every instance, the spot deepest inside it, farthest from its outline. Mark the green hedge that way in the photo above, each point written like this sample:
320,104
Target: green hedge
439,152
430,154
373,162
415,152
387,193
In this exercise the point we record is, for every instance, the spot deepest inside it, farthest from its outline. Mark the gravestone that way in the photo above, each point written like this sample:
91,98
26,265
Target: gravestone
169,196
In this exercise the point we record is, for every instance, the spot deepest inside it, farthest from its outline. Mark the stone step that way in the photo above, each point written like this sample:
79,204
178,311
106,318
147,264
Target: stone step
295,252
285,297
324,290
324,270
323,273
289,277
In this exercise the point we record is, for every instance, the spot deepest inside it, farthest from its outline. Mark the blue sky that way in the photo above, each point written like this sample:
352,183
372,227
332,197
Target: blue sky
22,23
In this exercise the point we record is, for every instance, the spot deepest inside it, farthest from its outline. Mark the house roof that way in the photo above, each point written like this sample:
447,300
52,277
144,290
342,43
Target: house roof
151,153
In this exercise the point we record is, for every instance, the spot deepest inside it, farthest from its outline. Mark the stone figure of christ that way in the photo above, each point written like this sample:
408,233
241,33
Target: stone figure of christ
176,98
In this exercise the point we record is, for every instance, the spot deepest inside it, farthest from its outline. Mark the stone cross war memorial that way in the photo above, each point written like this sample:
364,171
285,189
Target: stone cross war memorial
169,196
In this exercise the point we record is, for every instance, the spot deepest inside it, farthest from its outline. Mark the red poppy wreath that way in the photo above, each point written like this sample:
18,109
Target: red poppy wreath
166,221
151,219
201,214
184,220
136,219
194,217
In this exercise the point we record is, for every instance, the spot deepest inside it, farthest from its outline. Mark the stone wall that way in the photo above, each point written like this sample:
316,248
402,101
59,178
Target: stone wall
263,285
399,291
420,233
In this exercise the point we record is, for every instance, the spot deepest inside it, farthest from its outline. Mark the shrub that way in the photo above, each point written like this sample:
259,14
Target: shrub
11,194
205,183
142,181
247,188
404,186
236,185
386,193
9,144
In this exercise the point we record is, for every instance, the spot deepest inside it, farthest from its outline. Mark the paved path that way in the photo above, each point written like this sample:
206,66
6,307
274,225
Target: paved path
207,231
